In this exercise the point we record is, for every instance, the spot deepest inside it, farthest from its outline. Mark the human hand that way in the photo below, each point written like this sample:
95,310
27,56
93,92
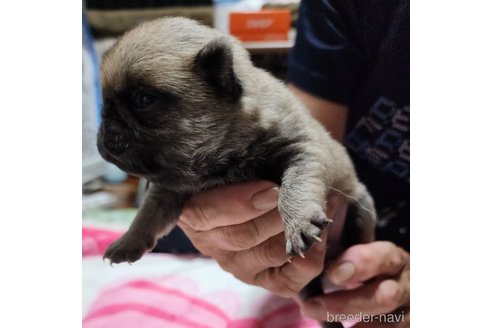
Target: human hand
377,278
240,227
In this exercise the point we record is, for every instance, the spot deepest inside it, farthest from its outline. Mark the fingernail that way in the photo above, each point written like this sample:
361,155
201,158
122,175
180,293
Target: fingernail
312,308
266,199
342,273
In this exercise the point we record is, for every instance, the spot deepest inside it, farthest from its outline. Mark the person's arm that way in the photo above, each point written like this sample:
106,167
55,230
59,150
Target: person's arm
331,115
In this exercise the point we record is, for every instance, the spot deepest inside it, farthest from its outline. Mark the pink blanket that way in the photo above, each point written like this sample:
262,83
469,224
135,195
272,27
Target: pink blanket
163,290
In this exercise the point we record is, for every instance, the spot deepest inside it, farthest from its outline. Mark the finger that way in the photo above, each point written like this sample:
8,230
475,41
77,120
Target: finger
239,236
231,204
377,297
289,279
300,272
362,262
200,240
245,265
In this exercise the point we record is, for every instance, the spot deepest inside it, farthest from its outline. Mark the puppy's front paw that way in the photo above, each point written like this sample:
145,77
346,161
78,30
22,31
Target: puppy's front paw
128,249
301,233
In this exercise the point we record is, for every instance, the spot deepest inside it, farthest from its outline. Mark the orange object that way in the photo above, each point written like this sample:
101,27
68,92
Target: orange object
265,25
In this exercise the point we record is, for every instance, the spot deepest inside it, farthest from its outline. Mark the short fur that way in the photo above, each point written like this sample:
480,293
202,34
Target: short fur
214,119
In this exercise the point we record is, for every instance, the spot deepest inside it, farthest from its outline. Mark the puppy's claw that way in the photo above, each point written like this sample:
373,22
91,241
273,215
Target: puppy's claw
329,220
289,259
107,258
317,238
301,254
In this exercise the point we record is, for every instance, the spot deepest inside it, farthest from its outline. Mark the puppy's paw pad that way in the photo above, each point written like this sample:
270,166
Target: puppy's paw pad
320,220
126,250
302,235
295,245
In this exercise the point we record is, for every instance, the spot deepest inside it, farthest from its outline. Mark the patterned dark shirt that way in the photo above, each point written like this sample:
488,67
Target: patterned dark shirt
357,52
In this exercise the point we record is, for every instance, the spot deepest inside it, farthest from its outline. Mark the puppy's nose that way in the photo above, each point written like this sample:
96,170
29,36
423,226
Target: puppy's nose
115,143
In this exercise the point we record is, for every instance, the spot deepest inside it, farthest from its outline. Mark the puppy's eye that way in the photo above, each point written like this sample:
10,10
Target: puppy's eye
143,100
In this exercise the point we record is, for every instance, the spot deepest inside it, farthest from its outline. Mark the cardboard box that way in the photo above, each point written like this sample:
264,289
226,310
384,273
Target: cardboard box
265,25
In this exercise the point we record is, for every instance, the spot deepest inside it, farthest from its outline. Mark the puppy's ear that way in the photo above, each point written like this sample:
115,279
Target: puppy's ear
215,62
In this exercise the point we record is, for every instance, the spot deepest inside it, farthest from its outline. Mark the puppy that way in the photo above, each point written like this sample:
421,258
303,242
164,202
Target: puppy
185,108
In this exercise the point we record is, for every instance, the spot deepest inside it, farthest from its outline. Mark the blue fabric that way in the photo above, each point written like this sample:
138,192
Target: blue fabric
88,42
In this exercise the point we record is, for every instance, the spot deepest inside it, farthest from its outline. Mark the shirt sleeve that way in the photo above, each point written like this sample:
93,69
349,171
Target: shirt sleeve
325,60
